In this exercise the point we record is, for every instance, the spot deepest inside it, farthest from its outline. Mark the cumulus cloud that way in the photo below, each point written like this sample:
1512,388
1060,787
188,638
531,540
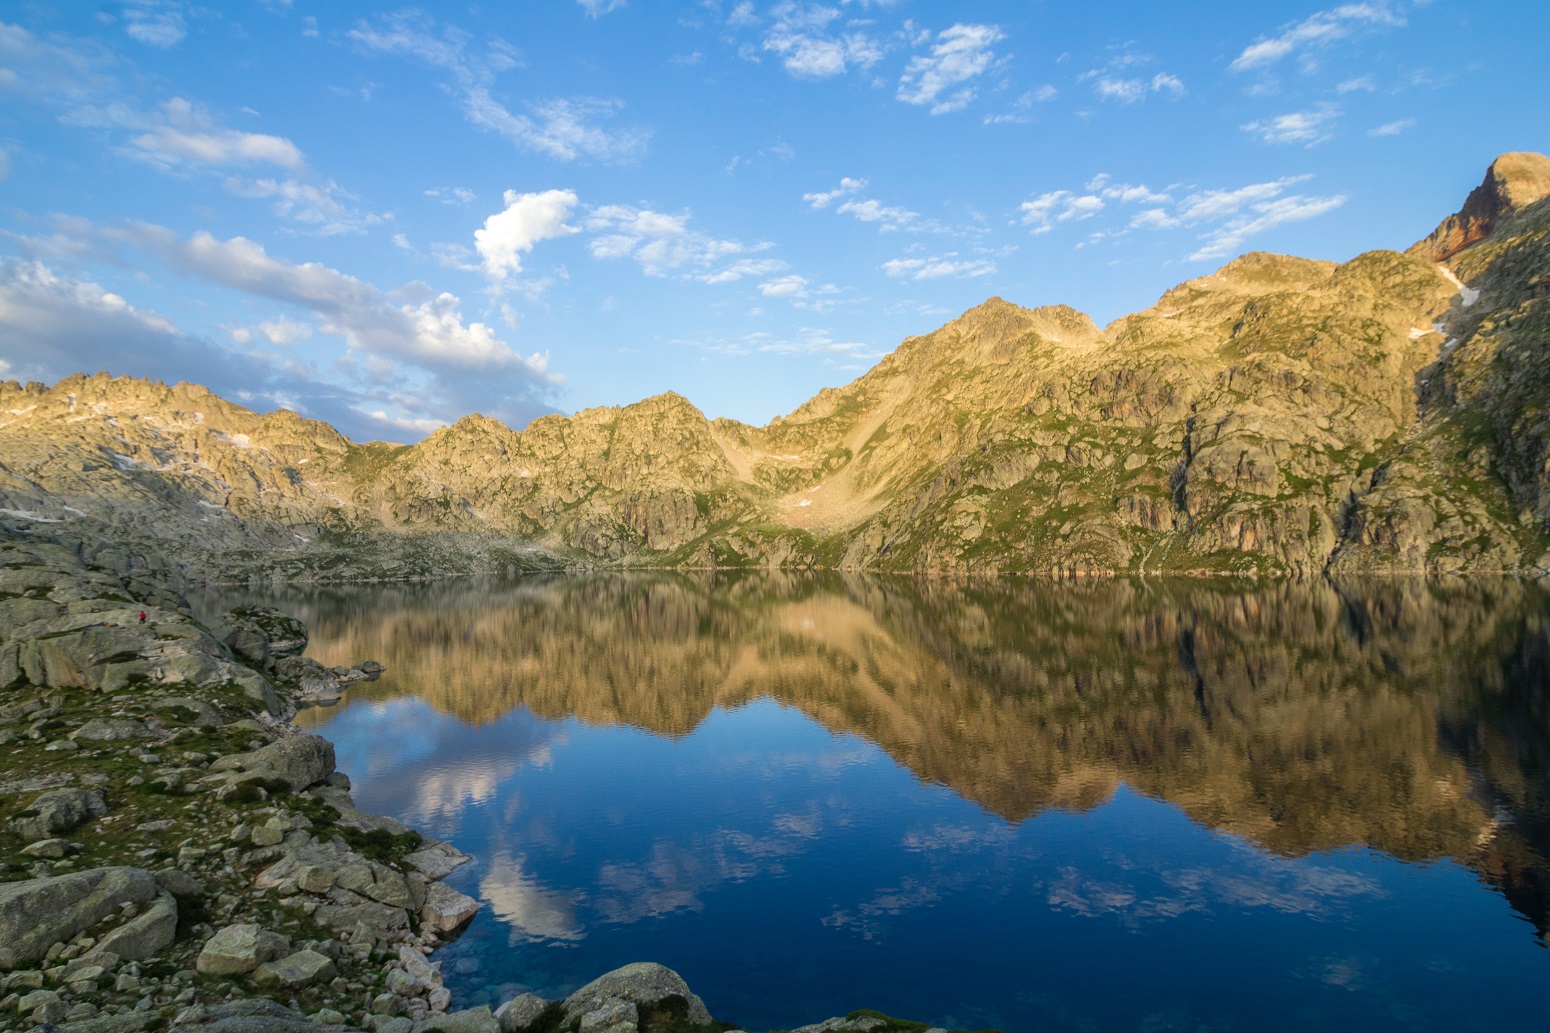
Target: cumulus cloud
959,54
1315,31
938,267
562,128
598,8
1310,127
791,286
526,220
808,45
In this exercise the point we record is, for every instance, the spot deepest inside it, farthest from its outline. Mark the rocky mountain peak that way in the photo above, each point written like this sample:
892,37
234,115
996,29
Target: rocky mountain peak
1513,182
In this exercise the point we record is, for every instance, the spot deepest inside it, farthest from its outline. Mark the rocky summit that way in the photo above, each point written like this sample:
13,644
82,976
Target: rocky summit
1279,416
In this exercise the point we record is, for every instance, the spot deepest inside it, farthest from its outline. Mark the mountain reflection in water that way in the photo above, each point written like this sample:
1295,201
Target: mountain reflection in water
1405,719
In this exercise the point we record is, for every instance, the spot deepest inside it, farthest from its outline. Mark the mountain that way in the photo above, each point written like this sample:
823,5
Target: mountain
1279,416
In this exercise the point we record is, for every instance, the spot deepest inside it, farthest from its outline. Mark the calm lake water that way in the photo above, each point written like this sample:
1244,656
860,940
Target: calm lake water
1119,806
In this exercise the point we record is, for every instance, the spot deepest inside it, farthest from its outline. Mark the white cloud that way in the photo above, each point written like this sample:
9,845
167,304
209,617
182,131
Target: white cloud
1228,218
1128,91
960,53
1305,127
188,136
808,341
1315,31
562,128
285,331
890,218
598,8
317,206
1056,206
527,219
452,195
1392,128
938,267
846,188
792,286
743,267
801,34
664,244
1263,216
155,22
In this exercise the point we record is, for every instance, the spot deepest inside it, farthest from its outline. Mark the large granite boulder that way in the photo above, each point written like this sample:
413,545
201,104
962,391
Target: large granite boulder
37,913
239,949
297,761
642,996
58,811
146,935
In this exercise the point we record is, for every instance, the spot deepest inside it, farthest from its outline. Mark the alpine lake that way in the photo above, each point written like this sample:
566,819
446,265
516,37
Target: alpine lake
1012,804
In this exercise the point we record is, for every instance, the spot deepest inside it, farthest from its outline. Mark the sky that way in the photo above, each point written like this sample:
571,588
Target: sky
389,217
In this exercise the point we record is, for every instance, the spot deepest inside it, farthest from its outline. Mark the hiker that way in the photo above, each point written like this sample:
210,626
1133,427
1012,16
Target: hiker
142,616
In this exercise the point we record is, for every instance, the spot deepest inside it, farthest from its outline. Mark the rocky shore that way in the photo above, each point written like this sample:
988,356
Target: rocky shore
177,856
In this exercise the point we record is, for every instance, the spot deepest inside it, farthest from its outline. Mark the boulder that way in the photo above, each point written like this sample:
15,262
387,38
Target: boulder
377,882
470,1020
446,910
297,761
112,729
261,634
658,997
146,935
437,860
250,1016
298,970
520,1013
37,913
239,949
60,810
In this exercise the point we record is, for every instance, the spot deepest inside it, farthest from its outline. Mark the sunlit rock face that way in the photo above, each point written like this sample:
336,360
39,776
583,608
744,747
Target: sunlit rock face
1401,715
1280,415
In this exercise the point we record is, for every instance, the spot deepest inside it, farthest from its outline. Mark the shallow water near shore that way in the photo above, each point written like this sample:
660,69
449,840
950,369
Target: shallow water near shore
1013,804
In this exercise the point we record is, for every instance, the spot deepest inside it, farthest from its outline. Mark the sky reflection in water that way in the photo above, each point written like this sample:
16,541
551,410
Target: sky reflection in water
1030,807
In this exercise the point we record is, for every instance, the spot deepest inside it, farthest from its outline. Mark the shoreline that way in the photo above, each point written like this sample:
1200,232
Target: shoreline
179,855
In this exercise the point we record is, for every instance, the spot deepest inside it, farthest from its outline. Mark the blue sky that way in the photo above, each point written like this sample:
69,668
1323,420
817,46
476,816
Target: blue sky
388,217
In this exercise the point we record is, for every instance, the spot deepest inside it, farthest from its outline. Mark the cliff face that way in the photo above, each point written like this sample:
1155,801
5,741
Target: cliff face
1278,416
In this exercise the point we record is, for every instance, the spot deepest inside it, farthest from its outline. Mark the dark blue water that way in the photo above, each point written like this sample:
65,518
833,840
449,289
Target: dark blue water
1018,806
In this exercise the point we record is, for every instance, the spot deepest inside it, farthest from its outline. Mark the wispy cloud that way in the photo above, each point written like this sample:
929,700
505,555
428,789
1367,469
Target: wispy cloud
562,128
1392,128
1224,219
939,78
666,245
938,267
1128,91
1310,127
1315,31
156,22
598,8
810,46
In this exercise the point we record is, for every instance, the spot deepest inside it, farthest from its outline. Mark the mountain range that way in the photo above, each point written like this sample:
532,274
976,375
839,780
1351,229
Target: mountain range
1281,416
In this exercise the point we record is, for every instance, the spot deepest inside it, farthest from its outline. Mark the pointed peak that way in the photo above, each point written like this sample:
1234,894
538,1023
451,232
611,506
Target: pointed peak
1513,182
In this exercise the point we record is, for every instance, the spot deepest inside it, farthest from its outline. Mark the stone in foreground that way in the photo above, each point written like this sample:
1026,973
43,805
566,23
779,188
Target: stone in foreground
300,969
37,913
642,996
239,949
